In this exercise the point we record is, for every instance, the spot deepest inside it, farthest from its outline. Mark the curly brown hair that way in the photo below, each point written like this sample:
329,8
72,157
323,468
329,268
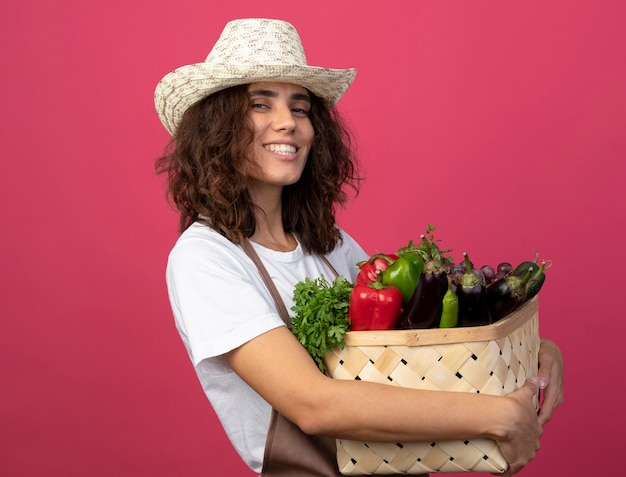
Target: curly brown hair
205,159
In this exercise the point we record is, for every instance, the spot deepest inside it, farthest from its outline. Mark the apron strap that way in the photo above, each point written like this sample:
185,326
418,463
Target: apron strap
269,283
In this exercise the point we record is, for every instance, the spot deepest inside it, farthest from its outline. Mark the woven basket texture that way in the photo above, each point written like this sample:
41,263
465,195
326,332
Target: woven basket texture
494,359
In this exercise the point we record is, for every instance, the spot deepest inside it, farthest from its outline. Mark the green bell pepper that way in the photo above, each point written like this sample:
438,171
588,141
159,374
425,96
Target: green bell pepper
403,274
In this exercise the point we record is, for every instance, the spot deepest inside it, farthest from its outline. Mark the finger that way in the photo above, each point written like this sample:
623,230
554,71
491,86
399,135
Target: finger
544,416
547,406
533,385
543,377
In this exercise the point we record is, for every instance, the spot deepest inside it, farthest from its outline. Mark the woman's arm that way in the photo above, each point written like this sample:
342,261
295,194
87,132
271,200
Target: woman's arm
277,366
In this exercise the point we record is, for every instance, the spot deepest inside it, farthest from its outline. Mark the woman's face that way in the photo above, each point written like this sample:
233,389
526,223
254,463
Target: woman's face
283,133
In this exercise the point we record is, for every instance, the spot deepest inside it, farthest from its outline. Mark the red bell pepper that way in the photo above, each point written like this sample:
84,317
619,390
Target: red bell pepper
374,306
369,268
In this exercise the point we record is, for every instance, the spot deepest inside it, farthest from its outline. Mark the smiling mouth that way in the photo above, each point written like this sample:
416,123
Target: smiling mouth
282,149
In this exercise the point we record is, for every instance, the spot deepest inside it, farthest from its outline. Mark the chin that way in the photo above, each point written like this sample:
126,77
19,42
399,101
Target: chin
289,180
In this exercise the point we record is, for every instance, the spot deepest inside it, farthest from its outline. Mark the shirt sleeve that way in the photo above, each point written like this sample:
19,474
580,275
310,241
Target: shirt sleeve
348,253
217,300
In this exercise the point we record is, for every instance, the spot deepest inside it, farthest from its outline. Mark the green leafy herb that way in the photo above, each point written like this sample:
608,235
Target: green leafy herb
321,315
428,248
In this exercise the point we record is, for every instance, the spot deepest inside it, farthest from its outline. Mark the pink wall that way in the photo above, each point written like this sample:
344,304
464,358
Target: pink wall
500,122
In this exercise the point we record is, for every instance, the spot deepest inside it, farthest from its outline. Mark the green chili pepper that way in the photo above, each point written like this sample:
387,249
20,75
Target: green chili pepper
403,275
523,267
536,281
450,313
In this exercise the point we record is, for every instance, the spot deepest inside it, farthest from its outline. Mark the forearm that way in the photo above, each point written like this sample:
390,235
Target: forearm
369,411
373,412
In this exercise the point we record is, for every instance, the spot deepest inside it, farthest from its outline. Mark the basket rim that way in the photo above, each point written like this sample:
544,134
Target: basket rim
422,337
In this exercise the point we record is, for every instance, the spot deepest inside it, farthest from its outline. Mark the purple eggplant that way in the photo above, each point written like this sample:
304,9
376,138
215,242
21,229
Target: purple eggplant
473,309
506,294
426,304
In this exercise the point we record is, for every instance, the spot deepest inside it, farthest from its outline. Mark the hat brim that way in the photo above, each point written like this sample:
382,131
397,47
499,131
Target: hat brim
186,85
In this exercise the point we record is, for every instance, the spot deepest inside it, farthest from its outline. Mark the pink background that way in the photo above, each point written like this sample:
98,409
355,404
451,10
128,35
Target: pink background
502,123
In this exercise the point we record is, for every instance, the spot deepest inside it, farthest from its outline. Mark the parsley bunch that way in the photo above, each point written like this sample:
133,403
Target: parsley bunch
427,248
321,315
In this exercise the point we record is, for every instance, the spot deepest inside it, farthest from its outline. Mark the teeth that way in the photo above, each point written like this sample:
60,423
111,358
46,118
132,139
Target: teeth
284,149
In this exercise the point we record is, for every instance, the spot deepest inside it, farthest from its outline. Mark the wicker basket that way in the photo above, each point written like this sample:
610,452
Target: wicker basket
494,359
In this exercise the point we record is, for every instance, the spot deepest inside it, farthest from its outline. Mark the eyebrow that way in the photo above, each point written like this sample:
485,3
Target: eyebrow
273,94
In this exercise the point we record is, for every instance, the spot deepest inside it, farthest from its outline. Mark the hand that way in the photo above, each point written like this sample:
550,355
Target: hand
550,379
523,430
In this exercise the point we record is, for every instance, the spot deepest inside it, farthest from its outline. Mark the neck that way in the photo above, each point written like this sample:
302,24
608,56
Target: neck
276,239
270,231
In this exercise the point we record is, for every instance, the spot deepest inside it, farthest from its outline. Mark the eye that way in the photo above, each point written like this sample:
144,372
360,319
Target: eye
258,106
300,111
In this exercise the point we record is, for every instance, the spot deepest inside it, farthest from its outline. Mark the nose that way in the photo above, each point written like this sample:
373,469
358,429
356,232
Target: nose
283,119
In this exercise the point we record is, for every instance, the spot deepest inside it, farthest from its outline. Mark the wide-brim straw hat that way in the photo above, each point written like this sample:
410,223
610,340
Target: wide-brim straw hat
249,50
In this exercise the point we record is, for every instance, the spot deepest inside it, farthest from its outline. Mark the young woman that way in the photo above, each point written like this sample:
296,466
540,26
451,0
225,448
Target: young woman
258,163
